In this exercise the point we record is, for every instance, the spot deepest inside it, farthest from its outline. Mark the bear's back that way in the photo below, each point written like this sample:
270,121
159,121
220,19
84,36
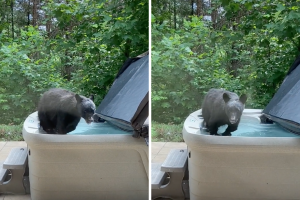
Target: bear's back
57,99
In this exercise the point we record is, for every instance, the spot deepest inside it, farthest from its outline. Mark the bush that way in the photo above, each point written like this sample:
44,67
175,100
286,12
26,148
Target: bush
26,70
190,60
11,132
166,132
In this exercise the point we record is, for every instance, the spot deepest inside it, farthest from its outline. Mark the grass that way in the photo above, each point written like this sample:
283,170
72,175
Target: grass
11,132
166,132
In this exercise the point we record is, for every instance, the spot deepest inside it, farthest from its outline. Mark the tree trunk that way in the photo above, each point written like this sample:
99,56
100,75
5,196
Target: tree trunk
192,7
28,13
48,22
199,8
12,18
214,14
48,25
170,15
68,69
175,14
34,12
234,61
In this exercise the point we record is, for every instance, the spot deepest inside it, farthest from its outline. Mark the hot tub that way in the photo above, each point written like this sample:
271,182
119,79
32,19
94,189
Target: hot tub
250,166
111,165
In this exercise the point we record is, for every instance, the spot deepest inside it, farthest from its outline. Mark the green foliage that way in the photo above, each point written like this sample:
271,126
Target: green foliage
11,132
278,18
23,79
166,132
82,50
180,75
248,48
109,32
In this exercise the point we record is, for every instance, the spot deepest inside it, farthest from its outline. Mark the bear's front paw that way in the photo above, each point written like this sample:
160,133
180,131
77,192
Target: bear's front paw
226,134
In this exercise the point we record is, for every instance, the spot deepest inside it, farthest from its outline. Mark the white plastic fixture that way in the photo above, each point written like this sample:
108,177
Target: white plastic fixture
232,168
76,167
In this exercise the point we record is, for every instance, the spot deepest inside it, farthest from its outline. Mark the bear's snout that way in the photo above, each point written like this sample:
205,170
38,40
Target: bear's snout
89,120
233,119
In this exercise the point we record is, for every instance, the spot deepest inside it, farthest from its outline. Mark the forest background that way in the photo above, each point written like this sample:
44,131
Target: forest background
75,44
245,46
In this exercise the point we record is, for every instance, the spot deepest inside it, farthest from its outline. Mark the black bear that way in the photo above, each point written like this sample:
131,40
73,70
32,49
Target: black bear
59,110
222,107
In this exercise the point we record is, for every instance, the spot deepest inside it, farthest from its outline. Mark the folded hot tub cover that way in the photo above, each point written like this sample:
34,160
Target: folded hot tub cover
284,106
126,103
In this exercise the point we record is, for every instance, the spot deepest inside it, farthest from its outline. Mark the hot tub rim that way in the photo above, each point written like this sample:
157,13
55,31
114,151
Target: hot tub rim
210,141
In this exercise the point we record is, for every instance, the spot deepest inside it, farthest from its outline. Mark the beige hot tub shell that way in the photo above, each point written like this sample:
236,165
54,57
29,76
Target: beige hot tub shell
244,168
76,167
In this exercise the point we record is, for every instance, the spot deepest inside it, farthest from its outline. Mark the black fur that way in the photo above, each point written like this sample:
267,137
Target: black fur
92,97
59,110
265,120
222,107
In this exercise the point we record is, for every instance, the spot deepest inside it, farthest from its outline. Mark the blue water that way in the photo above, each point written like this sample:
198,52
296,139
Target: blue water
96,128
251,127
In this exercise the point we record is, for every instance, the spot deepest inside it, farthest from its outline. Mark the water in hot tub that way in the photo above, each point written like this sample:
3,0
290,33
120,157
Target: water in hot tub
96,128
251,127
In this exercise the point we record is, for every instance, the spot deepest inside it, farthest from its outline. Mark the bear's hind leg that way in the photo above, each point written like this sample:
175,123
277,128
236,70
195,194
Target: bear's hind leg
213,128
45,123
204,126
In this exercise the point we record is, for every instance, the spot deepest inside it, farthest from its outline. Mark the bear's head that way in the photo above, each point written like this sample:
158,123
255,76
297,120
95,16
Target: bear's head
86,108
234,107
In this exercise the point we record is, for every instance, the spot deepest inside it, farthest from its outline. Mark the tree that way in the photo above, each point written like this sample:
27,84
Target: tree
242,46
77,45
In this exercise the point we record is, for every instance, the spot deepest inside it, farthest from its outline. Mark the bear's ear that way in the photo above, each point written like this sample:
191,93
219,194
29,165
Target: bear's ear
243,98
78,98
91,97
226,97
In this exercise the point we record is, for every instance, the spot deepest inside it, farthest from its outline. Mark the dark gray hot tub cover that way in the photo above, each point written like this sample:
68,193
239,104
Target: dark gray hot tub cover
284,106
126,103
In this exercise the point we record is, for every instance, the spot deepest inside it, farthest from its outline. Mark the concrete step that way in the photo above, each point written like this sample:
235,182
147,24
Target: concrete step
176,161
16,159
157,176
3,173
